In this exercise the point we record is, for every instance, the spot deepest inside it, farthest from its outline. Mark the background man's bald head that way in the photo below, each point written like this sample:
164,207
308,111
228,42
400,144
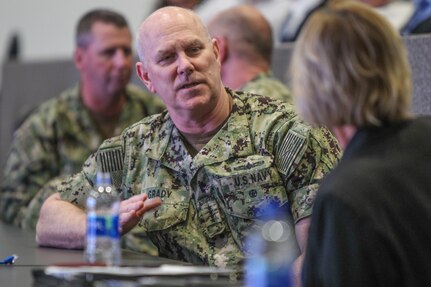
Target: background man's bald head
248,31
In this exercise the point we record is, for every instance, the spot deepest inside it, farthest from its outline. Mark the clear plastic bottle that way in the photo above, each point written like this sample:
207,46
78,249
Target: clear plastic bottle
273,248
103,243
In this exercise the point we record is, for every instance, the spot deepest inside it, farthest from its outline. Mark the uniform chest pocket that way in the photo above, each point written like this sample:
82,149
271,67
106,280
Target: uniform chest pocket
172,211
245,192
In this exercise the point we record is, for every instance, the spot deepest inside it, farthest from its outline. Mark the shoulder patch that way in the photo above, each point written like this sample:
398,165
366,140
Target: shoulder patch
290,151
111,160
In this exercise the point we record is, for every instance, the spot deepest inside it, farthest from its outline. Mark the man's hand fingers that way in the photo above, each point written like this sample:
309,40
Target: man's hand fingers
126,206
149,204
133,203
131,211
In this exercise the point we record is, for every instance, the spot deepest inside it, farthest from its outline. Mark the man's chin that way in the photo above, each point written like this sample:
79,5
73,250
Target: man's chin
118,89
197,103
119,84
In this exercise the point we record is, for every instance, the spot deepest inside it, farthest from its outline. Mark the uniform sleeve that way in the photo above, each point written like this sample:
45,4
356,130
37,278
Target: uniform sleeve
303,156
32,162
108,157
346,249
31,216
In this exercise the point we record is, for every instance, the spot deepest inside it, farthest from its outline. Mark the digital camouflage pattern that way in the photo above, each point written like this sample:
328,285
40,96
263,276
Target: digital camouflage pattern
266,84
263,153
54,142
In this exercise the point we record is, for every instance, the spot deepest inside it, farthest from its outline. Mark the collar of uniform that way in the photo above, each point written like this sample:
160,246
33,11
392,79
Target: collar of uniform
232,140
80,117
155,140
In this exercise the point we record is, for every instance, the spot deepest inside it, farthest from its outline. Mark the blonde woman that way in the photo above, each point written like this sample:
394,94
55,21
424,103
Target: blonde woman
370,222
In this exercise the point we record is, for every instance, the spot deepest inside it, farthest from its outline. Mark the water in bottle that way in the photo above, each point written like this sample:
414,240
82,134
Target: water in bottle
103,244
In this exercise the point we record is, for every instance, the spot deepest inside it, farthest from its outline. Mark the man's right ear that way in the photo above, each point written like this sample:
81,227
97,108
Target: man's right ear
145,77
78,58
223,48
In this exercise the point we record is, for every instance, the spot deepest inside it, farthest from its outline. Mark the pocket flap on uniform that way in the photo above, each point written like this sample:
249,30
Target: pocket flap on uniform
165,216
173,210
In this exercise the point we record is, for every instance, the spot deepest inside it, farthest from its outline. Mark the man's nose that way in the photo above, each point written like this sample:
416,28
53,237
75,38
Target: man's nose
185,67
121,58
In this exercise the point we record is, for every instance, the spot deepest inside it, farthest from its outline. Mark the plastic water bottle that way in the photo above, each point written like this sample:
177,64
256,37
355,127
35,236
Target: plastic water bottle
103,245
273,248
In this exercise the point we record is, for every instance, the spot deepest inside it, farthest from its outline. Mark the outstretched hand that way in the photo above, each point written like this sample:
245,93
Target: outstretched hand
132,210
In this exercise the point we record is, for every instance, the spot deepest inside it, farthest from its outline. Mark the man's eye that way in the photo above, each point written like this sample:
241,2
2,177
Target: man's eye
108,53
194,50
127,51
165,59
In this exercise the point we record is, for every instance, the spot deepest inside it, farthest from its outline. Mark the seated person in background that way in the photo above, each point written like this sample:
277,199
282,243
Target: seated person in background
245,42
420,21
298,14
57,138
370,223
215,158
397,12
275,11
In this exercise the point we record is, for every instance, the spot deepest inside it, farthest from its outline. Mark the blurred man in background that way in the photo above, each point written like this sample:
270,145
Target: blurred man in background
246,45
55,140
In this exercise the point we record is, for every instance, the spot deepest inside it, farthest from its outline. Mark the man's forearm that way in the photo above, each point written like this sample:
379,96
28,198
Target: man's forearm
61,224
301,231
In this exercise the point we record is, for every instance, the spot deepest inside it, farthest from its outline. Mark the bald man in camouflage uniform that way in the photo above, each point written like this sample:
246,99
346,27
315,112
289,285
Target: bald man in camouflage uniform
262,153
201,174
246,45
59,136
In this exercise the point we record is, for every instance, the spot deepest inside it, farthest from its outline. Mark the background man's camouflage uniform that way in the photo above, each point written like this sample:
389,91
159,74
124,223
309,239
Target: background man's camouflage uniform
54,142
266,84
263,152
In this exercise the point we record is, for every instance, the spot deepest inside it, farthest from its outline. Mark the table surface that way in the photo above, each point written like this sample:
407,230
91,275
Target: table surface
30,257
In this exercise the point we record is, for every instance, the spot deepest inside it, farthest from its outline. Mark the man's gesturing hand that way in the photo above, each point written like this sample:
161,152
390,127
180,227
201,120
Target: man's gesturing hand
132,210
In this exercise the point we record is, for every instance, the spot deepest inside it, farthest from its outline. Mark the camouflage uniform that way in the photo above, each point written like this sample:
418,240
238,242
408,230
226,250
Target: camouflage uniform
266,84
262,153
54,142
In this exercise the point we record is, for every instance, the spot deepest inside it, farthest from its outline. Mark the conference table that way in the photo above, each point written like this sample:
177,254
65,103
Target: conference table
33,259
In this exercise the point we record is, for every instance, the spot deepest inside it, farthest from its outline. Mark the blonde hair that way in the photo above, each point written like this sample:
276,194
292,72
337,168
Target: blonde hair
349,66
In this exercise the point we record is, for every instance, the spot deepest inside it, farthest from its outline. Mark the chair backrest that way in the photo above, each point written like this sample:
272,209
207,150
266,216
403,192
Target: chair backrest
26,85
281,60
419,53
